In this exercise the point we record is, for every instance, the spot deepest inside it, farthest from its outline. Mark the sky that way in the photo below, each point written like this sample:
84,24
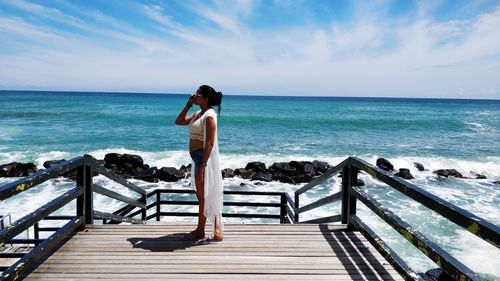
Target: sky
437,49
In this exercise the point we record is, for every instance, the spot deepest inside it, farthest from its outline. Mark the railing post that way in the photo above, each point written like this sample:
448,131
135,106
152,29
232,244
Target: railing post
353,179
144,200
349,178
80,200
296,211
158,206
283,208
84,203
89,200
36,232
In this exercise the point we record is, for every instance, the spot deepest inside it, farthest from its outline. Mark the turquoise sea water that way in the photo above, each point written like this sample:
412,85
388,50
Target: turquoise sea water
460,134
84,122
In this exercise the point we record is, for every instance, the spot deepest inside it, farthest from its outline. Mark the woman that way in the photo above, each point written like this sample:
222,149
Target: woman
204,151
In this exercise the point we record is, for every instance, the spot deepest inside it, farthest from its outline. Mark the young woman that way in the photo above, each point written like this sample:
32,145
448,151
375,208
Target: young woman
205,168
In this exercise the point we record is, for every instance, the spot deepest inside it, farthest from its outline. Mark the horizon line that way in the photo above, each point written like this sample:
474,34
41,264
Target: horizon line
250,95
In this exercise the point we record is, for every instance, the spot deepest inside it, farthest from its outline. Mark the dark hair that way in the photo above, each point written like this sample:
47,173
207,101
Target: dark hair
214,97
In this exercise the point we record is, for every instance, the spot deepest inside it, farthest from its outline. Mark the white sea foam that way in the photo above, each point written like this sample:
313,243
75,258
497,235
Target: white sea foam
469,250
480,127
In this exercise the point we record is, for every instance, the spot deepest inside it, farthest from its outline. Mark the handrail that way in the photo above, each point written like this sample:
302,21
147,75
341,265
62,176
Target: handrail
85,212
25,222
474,224
328,174
10,189
432,250
282,215
350,168
323,201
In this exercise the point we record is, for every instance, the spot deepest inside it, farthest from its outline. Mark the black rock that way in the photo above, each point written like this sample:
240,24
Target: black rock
480,177
436,274
359,182
448,173
259,183
303,167
112,159
128,167
256,166
419,166
134,160
149,175
405,174
384,164
284,168
320,167
302,178
50,163
169,174
285,179
227,173
261,176
247,174
17,169
10,170
137,170
239,171
186,169
496,182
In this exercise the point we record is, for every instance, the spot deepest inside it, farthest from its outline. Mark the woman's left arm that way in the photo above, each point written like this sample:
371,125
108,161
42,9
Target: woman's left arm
209,141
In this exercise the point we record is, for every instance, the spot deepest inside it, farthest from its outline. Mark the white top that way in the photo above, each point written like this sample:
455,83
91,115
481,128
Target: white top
196,128
213,189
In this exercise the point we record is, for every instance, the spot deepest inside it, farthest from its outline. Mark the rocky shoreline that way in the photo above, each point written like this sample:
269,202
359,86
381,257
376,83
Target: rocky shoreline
293,172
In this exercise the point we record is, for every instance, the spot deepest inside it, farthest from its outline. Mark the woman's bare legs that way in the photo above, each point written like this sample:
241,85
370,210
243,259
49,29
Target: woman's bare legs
200,193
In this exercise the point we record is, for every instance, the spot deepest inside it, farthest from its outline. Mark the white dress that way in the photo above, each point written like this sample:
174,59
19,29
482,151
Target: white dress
213,189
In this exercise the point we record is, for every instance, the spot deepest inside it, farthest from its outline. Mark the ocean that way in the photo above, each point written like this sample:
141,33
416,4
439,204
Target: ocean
438,133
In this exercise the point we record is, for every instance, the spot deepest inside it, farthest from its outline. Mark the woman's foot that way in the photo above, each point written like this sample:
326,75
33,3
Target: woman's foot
218,236
194,235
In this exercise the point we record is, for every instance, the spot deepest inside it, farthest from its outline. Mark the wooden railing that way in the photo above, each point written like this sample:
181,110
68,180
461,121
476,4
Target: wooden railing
82,192
282,203
350,194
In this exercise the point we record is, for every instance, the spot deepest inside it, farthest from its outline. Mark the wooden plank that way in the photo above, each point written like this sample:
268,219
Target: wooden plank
208,268
187,276
186,267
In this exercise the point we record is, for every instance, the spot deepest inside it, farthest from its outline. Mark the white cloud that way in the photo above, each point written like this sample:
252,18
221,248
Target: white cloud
368,56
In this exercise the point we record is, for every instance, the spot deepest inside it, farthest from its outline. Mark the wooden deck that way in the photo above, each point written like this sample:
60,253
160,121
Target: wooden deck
249,252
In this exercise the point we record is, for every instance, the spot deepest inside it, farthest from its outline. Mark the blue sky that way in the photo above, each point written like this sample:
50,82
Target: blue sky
448,49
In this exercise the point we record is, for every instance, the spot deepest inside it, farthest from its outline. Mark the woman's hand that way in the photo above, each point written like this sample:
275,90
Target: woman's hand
191,100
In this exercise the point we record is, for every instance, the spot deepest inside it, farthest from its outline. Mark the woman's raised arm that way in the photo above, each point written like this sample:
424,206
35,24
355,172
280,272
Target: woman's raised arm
182,119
